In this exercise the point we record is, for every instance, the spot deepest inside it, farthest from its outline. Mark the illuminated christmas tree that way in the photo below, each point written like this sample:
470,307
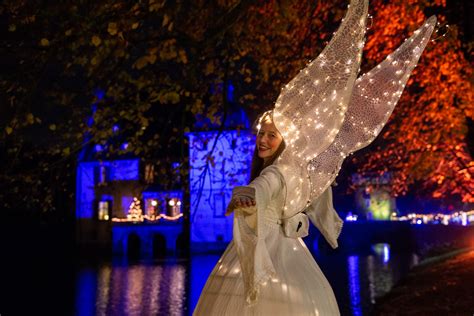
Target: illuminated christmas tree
135,212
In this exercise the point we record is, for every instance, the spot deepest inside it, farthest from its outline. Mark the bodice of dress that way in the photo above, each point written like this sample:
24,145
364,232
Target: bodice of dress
268,188
253,225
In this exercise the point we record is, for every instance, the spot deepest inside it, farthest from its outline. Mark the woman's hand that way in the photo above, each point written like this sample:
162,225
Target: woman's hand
242,197
239,202
244,202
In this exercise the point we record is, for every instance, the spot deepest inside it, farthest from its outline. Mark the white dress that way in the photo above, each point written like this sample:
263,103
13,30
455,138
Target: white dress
284,272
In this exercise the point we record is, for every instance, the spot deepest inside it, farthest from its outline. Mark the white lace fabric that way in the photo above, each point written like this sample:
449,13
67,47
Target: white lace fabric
310,109
373,99
262,271
325,113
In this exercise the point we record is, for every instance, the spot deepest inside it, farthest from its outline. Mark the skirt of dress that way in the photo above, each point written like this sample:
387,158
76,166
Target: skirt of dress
300,287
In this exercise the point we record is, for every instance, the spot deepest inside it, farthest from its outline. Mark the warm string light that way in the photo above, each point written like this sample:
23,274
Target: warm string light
461,217
438,28
148,218
135,213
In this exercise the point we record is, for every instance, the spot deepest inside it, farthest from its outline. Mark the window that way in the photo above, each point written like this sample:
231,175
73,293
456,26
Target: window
173,207
152,207
104,210
101,174
149,173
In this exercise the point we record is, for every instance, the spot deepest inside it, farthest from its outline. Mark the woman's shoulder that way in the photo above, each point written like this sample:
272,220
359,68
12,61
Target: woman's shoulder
271,179
271,169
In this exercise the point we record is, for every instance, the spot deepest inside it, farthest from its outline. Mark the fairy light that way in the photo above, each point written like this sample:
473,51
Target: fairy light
437,30
135,212
320,107
149,218
463,218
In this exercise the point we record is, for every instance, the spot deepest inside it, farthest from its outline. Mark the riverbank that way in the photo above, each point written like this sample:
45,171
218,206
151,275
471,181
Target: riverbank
443,285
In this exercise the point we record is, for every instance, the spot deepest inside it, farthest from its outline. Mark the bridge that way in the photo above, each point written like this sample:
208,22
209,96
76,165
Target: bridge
148,239
400,235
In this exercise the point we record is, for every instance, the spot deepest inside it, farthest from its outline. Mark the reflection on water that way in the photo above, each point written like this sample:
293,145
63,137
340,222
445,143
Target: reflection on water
138,289
382,250
354,285
368,277
173,288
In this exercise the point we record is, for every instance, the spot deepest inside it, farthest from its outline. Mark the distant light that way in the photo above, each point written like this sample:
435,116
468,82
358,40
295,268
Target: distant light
445,220
171,202
115,128
154,202
124,146
351,217
419,221
98,148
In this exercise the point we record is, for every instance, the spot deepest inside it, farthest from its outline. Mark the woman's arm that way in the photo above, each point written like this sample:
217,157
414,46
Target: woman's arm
257,193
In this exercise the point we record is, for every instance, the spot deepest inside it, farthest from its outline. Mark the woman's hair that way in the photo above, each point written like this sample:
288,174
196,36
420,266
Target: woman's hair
258,163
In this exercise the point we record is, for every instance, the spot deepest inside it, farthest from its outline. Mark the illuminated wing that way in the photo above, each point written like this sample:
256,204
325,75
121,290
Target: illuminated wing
373,99
310,109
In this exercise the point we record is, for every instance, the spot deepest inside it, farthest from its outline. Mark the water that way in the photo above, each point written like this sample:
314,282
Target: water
141,288
172,287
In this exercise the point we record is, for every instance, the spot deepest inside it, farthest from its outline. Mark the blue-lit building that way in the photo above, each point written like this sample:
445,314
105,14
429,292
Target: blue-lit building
211,183
121,206
219,159
117,208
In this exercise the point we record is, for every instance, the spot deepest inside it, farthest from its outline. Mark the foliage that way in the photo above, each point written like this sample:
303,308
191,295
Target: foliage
426,141
142,73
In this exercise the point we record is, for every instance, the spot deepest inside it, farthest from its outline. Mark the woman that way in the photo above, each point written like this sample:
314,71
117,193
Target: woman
264,272
324,114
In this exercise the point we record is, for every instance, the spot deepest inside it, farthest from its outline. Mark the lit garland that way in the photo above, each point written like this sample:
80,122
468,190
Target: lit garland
135,213
460,217
149,218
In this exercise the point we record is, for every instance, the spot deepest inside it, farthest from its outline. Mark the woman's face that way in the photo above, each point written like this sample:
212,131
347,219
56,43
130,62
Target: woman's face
268,140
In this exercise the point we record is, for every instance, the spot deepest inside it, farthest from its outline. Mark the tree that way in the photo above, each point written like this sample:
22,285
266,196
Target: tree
115,72
426,140
102,73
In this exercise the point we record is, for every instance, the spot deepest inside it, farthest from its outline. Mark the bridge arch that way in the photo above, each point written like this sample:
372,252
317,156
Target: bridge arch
133,245
159,245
